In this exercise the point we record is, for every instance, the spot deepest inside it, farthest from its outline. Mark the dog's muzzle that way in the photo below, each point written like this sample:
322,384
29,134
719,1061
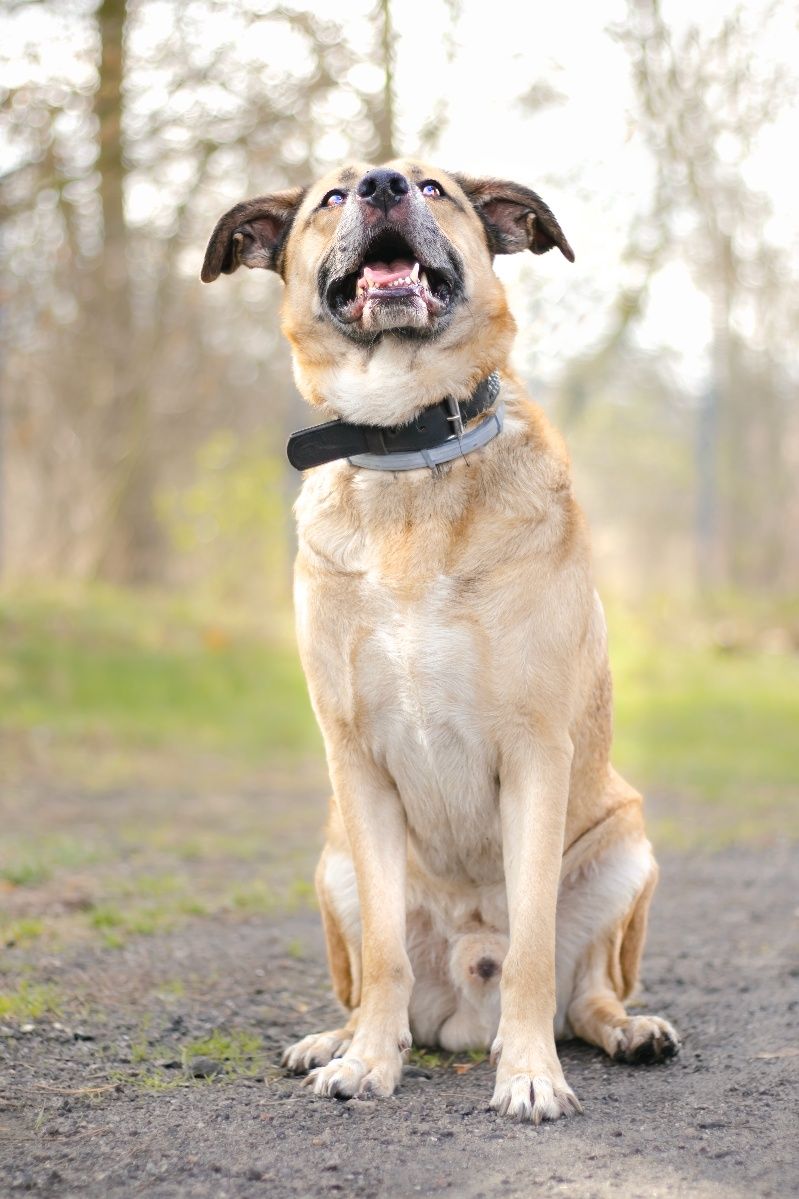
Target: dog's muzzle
390,267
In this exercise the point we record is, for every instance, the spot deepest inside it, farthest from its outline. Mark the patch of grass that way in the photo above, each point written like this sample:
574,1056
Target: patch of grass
113,940
22,932
28,863
301,894
118,923
149,904
130,673
295,948
254,896
240,1053
25,873
429,1059
30,1001
159,1080
436,1059
153,884
143,670
717,727
173,988
106,916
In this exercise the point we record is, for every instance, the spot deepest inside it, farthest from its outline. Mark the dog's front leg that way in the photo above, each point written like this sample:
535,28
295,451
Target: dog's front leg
534,788
375,824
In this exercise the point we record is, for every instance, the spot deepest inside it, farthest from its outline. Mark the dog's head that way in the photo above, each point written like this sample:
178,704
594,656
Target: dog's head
394,260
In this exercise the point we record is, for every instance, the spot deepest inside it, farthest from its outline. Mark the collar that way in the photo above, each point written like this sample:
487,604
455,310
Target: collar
436,435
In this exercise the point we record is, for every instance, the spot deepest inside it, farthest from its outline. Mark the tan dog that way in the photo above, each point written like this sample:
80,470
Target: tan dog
456,657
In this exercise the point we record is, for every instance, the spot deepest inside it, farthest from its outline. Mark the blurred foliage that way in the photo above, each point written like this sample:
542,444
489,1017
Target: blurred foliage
127,127
132,443
228,524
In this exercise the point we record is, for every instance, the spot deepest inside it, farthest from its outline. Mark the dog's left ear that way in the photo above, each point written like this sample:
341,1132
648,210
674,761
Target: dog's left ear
514,217
252,234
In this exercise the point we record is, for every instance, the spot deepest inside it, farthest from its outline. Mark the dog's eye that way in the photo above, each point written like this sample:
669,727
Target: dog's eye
431,189
333,199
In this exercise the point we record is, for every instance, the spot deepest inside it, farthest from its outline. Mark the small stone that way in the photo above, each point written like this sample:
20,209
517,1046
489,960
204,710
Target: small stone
28,1028
204,1067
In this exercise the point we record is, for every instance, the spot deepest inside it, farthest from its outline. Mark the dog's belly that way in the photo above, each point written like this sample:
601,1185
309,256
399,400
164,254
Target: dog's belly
420,680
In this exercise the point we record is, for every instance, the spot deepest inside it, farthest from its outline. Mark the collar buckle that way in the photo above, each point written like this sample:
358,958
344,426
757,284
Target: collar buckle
454,417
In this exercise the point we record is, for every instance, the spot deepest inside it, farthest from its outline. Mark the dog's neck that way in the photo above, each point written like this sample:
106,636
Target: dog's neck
396,380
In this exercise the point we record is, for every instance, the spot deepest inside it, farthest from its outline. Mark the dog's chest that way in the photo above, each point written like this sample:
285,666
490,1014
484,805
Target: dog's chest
418,673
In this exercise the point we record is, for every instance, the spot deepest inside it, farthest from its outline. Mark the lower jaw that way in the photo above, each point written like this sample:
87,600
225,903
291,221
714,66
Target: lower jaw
395,314
418,322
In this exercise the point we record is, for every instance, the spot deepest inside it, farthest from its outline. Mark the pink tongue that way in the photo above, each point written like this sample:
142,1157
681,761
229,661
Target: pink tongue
381,273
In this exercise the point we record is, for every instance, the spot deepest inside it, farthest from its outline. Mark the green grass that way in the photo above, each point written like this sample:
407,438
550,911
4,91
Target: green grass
21,932
132,670
235,1054
693,719
238,1052
144,670
29,1001
144,917
28,866
27,872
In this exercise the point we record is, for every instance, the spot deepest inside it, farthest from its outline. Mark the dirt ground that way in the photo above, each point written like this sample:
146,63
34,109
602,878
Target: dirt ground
104,1096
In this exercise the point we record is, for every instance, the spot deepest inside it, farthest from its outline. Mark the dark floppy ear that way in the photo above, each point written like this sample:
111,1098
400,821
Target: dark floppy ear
252,234
514,217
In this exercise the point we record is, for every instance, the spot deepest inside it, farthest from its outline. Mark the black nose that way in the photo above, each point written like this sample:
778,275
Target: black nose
383,188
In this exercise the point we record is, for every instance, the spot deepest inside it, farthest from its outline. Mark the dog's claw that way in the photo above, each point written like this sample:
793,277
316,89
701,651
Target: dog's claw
646,1040
534,1098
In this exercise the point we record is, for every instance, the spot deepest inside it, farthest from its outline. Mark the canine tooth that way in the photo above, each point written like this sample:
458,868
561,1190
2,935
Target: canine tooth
415,272
423,280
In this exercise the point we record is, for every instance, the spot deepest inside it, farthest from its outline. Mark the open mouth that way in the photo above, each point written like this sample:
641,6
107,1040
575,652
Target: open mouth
390,273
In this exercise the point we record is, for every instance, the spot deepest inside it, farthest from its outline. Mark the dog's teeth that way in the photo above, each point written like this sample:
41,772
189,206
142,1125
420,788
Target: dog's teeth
414,275
423,280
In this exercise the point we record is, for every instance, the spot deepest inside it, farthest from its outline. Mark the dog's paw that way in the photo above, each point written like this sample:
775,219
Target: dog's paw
316,1050
534,1097
645,1040
349,1077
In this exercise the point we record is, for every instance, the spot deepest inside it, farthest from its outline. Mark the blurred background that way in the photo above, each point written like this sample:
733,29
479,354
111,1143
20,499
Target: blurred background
151,703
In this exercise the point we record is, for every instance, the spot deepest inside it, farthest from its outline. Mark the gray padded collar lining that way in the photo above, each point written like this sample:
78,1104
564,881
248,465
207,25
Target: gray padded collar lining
455,447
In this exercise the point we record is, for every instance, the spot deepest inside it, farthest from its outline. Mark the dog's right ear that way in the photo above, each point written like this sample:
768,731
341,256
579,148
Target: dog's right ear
514,217
252,234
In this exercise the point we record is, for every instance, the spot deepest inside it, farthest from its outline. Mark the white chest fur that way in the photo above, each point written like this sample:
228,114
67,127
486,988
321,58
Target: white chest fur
418,672
412,666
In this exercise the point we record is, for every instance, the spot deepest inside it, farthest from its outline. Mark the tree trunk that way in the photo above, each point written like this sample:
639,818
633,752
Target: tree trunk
384,116
127,537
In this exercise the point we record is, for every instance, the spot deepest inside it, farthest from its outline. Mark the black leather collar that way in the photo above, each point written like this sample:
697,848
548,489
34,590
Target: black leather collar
432,428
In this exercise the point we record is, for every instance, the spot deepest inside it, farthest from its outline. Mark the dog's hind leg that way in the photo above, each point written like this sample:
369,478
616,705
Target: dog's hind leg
603,971
338,902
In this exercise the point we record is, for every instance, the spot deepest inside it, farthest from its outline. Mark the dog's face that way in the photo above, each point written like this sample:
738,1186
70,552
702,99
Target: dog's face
395,256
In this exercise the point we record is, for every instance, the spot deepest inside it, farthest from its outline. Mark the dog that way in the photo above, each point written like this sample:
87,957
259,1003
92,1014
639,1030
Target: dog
486,876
